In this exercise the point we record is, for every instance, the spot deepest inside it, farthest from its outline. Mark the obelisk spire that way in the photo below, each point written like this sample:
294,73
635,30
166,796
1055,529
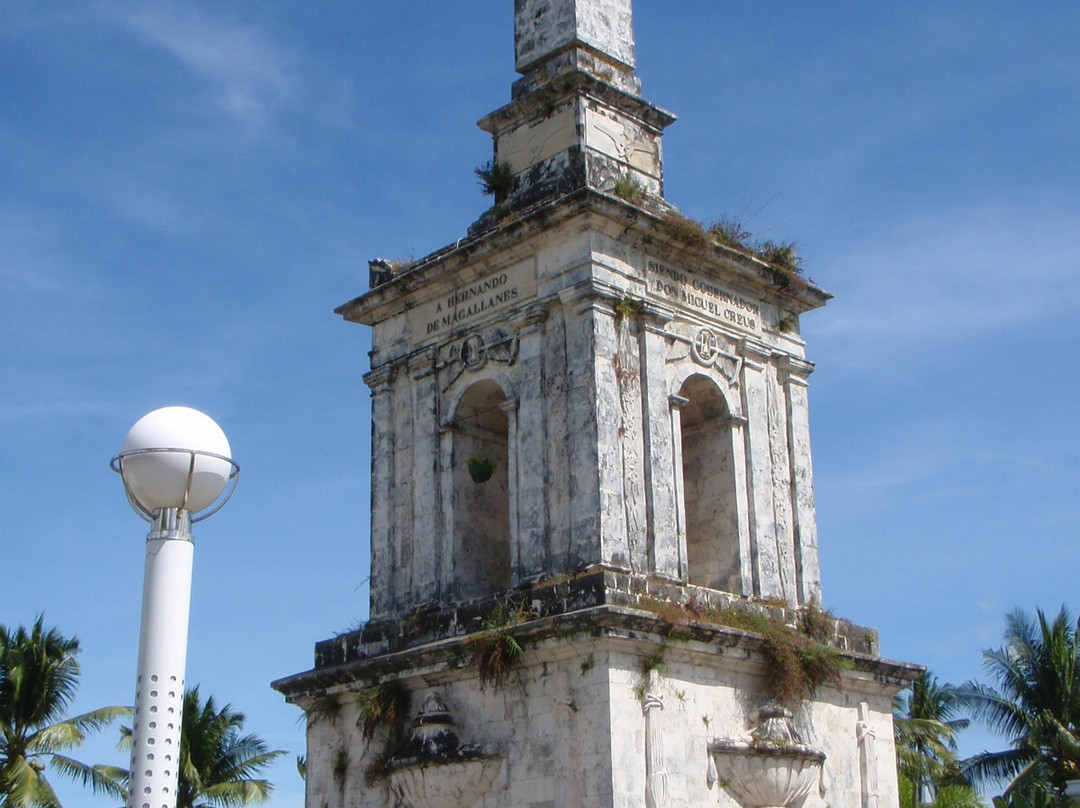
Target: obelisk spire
555,37
545,28
577,119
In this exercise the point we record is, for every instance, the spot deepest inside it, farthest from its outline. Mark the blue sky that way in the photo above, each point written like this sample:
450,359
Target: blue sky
187,191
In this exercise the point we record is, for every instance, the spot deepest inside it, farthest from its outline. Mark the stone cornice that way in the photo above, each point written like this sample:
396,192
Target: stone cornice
644,229
606,613
794,370
381,379
539,102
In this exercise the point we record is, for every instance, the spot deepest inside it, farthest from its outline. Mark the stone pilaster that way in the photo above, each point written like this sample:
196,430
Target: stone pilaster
445,571
794,373
742,502
556,418
614,368
676,405
381,381
426,525
661,498
765,557
583,461
513,463
402,494
780,454
533,554
631,437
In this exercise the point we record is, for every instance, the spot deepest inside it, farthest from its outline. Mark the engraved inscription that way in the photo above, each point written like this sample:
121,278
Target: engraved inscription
697,292
463,304
468,302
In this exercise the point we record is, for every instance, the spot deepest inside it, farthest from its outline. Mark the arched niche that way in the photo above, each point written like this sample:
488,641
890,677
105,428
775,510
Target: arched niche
481,510
710,502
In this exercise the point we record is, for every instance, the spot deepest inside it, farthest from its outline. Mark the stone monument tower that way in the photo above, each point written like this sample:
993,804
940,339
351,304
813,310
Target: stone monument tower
594,571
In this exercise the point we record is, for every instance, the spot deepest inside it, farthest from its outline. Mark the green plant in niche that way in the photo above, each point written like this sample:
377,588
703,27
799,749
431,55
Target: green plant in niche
325,708
495,651
817,623
480,468
653,662
496,179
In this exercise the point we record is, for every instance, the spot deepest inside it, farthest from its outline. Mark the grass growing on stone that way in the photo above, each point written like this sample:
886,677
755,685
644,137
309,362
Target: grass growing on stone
730,232
656,661
496,179
385,704
325,708
628,306
495,652
628,188
689,231
797,661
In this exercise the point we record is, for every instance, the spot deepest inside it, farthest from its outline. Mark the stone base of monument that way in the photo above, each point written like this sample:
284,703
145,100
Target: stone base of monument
626,690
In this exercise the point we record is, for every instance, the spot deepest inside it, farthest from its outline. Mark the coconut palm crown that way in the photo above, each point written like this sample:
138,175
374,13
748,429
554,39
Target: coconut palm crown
1034,702
926,723
218,762
39,675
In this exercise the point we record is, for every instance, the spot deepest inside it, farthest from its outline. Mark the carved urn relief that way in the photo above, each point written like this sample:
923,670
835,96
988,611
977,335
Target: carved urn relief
436,770
770,767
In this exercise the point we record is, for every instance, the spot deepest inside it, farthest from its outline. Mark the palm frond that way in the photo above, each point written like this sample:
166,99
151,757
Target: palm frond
991,768
108,780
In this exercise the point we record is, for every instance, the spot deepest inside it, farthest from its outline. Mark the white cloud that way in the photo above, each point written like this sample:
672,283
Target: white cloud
951,277
248,76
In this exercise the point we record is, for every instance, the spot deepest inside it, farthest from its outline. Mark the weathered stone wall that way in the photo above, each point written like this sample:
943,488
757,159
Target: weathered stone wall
592,341
570,725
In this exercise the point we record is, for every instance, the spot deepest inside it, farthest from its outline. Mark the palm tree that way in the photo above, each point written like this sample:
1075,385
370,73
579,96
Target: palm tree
218,763
38,679
1035,703
926,724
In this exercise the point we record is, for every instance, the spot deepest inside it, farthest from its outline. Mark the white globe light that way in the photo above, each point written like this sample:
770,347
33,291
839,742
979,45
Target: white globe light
160,479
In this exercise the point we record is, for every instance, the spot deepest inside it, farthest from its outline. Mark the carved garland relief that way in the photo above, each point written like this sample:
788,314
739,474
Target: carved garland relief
476,349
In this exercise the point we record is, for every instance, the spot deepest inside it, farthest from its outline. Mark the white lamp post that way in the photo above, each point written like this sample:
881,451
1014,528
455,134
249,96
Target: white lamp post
177,470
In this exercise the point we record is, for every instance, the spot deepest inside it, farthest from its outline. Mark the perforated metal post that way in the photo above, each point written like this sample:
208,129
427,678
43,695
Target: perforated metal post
159,688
